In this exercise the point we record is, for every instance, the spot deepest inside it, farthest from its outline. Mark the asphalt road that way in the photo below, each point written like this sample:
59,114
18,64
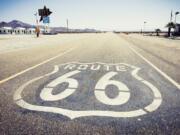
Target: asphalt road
101,84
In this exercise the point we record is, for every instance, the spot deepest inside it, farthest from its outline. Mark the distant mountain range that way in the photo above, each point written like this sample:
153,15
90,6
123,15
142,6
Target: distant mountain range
17,23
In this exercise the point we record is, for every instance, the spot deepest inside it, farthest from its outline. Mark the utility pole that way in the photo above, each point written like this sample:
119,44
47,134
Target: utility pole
171,16
144,26
67,25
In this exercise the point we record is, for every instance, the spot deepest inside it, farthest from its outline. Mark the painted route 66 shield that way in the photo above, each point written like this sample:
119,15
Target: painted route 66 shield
90,89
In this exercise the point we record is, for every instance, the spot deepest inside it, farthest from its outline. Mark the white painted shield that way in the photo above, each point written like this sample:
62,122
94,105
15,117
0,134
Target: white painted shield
100,95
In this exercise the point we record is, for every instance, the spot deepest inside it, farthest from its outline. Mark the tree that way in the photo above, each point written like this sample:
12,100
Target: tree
157,31
170,25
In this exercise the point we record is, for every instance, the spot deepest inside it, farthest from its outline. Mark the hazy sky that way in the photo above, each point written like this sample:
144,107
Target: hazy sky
98,14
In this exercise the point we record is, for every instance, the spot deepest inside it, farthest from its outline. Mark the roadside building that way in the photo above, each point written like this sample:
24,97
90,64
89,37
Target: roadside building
30,31
19,30
177,30
6,30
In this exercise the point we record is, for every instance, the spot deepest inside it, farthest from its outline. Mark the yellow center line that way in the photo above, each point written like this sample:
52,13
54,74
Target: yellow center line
35,66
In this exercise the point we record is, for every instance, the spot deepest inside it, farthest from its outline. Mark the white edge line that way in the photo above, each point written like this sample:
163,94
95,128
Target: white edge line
157,69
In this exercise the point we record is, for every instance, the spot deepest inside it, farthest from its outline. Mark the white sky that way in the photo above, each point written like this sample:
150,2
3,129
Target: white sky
98,14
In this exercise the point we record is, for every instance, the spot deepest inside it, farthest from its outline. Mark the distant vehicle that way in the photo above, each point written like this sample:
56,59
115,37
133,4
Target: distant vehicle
50,33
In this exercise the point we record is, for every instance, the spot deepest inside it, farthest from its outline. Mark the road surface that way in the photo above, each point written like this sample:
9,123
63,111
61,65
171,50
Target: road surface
96,84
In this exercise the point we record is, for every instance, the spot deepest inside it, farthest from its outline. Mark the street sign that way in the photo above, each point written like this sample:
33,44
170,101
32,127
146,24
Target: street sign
46,20
45,12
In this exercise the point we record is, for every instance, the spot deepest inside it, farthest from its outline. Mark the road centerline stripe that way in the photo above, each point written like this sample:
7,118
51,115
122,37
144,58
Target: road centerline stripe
35,66
157,69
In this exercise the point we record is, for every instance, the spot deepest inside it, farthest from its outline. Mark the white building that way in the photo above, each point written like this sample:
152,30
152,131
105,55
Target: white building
19,30
6,30
31,31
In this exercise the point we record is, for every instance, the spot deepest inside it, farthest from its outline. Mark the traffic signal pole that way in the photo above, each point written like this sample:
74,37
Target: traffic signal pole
37,27
36,19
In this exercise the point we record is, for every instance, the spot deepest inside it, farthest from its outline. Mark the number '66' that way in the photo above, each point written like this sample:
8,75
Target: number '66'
122,97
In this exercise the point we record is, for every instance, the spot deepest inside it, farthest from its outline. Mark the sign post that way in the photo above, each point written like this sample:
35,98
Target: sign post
45,13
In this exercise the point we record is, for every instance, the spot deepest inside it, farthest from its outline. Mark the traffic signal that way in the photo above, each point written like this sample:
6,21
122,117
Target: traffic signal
44,12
